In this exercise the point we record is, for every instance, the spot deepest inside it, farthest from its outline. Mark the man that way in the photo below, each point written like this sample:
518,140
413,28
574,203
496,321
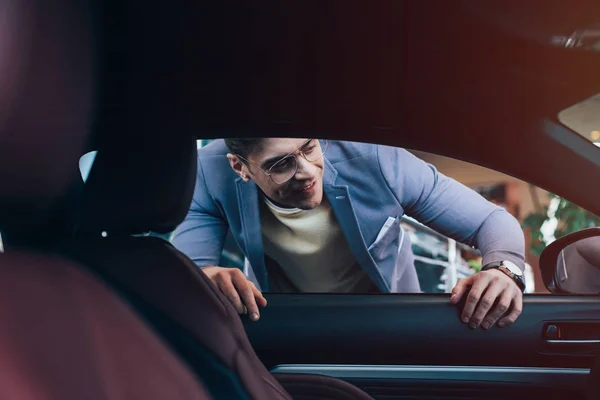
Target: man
319,216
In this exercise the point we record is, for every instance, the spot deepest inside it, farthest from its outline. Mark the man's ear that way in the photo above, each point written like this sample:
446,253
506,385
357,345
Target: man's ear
238,166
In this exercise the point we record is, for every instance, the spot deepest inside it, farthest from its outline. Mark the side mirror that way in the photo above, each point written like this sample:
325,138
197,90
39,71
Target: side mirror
571,264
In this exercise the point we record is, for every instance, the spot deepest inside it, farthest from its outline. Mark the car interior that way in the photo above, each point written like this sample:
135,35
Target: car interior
96,309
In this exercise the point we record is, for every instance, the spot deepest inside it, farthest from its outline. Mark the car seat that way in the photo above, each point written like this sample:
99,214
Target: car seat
65,334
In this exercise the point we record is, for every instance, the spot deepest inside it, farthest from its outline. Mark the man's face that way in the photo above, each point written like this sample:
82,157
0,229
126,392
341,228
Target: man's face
305,188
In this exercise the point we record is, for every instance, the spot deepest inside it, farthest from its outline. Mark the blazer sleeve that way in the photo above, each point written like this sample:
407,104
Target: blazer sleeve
202,233
451,208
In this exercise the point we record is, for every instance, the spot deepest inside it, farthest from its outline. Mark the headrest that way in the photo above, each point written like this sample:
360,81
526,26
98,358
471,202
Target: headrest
46,99
139,186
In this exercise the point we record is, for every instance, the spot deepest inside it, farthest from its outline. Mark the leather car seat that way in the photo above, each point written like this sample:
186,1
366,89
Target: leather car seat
139,186
65,334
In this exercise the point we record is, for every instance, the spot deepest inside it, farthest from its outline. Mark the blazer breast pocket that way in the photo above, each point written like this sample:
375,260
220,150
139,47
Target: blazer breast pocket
387,240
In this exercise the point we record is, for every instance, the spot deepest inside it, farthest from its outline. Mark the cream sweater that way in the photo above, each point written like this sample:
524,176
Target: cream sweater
311,250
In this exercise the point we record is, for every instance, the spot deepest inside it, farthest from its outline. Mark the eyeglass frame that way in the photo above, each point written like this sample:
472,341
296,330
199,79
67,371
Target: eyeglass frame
298,150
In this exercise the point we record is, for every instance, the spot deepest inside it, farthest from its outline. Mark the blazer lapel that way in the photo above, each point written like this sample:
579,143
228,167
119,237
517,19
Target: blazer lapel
341,204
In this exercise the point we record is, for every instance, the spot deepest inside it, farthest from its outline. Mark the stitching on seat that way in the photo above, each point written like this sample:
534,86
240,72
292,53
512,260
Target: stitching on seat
205,281
283,393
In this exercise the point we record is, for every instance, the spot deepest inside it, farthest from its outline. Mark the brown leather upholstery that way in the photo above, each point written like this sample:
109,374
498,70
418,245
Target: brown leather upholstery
65,335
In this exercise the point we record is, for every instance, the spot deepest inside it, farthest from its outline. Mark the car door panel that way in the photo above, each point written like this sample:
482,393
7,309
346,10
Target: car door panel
414,346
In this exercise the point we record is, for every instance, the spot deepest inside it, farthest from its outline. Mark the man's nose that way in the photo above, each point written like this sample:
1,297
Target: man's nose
305,169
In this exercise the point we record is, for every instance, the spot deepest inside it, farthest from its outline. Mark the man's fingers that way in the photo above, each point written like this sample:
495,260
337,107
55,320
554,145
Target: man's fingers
260,299
479,285
517,308
459,290
502,306
241,292
489,297
244,288
226,286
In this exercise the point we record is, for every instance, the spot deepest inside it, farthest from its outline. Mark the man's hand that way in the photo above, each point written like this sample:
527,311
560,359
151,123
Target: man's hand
492,296
241,292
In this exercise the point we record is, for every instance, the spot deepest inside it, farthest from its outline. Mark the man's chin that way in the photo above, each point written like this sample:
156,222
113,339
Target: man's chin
309,204
306,206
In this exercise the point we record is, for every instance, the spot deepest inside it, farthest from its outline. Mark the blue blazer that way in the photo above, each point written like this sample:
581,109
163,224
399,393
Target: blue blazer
370,187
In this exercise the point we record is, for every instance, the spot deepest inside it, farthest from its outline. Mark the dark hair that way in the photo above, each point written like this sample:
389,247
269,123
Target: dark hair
242,146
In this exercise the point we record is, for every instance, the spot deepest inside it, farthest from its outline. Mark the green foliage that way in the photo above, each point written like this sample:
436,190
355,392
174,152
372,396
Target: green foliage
534,222
571,218
475,265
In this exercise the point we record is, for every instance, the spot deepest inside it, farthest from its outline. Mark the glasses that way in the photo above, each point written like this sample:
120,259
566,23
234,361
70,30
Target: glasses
285,168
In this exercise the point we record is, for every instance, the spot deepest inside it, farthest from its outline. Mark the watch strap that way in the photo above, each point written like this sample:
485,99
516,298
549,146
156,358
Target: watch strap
499,266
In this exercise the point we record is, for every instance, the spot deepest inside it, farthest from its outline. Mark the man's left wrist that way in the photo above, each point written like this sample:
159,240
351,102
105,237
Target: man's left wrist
509,269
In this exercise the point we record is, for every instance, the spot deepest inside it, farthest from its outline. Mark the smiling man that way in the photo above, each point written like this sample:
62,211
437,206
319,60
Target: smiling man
324,216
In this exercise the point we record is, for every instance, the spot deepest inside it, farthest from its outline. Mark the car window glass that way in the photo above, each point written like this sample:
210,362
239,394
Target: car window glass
439,260
85,164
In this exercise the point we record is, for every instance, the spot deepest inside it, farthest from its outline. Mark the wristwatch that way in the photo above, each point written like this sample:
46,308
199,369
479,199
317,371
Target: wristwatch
510,269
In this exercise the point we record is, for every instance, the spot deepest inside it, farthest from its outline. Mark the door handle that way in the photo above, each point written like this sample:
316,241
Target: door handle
572,337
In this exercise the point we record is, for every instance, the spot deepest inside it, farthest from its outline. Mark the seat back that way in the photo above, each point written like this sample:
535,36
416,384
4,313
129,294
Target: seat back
142,186
66,335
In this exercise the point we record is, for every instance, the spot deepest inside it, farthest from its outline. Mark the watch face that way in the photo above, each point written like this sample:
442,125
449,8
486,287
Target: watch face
512,268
